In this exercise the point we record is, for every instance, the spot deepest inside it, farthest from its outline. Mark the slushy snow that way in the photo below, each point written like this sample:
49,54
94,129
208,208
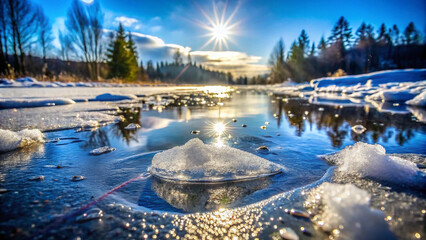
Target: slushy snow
28,102
10,140
370,161
199,162
346,212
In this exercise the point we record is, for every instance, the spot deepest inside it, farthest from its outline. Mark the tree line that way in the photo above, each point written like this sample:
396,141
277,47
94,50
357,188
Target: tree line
85,53
344,53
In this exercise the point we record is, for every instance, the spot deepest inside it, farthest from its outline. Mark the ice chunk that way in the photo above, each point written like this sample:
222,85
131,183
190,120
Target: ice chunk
31,102
419,100
114,97
102,150
367,160
392,96
346,213
10,140
133,126
199,162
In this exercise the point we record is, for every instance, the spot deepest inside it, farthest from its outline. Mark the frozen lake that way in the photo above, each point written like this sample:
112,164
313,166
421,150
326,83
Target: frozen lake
288,131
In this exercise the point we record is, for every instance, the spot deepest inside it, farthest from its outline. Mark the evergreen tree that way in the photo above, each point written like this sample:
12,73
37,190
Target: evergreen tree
395,35
303,42
150,70
322,45
119,60
277,64
384,37
341,32
177,57
312,53
133,58
411,34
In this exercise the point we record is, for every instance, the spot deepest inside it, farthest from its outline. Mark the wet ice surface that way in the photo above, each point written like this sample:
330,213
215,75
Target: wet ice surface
298,132
199,162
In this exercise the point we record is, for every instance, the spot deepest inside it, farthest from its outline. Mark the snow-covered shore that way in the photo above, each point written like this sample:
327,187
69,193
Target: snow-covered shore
396,86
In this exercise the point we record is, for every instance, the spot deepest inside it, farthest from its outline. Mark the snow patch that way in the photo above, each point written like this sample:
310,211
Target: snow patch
346,213
419,100
371,161
10,140
199,162
29,103
114,97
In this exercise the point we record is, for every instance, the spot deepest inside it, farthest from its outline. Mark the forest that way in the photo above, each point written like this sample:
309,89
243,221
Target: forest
345,53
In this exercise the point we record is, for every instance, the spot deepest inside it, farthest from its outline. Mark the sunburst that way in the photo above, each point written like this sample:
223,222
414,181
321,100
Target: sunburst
220,27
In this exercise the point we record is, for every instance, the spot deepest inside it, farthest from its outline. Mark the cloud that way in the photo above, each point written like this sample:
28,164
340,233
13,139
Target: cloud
238,63
126,21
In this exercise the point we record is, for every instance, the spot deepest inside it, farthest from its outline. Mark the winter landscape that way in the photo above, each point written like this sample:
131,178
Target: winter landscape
212,120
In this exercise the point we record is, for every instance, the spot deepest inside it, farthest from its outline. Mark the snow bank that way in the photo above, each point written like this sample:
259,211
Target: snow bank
346,213
10,140
419,100
367,160
199,162
114,97
28,103
372,79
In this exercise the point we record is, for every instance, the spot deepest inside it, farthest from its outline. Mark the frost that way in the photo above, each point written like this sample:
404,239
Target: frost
344,211
199,162
10,140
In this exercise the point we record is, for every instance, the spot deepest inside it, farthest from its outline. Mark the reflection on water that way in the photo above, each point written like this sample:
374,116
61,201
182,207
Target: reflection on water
205,197
127,115
337,121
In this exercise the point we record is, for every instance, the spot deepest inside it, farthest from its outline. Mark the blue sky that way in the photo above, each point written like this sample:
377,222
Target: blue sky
161,26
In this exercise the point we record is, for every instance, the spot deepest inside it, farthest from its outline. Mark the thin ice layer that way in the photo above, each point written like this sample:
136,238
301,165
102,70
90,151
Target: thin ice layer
10,140
367,160
345,211
196,161
29,103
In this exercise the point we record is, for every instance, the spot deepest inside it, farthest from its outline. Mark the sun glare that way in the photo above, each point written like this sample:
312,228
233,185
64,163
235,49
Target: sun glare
219,26
220,32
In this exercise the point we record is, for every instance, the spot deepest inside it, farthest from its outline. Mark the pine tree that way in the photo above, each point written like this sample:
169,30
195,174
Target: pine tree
341,32
322,46
384,37
411,34
133,58
303,42
118,56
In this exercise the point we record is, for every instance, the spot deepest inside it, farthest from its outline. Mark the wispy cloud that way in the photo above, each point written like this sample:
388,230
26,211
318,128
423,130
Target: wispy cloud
126,21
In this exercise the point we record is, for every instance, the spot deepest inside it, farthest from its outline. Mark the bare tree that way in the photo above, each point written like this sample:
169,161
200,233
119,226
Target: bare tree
84,23
3,39
22,17
45,37
66,46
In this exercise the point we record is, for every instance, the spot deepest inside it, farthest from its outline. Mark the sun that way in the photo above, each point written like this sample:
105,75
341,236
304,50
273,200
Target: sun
220,27
220,32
